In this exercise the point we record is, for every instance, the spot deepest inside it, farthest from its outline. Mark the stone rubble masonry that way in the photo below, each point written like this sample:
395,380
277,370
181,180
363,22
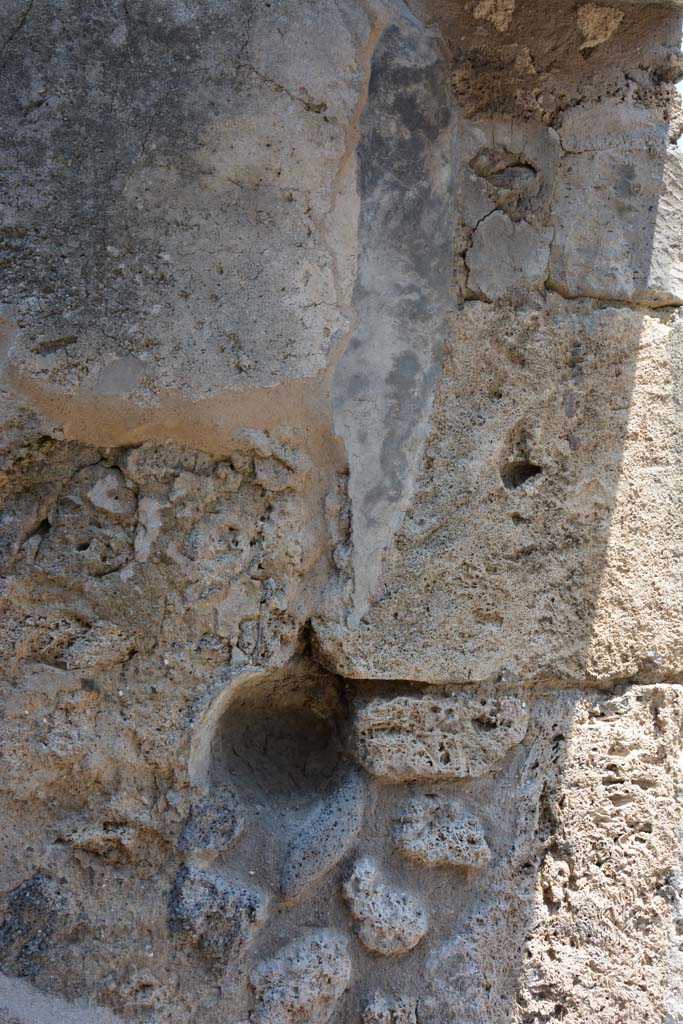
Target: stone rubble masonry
340,512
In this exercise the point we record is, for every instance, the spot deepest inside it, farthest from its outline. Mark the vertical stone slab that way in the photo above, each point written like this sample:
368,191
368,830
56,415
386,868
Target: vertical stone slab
383,384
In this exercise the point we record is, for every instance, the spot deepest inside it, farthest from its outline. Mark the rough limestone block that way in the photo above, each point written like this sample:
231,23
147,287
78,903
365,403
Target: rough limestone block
621,241
220,917
434,832
591,929
506,177
506,165
303,982
388,922
408,738
560,424
335,346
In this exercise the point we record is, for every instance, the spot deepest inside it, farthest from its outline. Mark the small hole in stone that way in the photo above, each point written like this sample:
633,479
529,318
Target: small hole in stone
515,474
485,722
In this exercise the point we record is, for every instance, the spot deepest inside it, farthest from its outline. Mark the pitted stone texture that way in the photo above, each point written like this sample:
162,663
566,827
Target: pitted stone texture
506,165
605,934
214,824
91,527
547,583
388,922
220,917
537,68
115,844
36,916
506,179
432,737
434,832
382,1010
303,982
574,919
541,535
138,559
324,838
586,849
154,544
498,12
582,141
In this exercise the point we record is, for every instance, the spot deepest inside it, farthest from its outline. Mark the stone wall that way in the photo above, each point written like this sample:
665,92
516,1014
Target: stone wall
340,501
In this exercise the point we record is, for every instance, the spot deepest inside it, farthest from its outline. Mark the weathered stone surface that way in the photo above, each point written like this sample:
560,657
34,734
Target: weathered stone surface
213,825
36,915
381,1010
218,916
340,512
505,188
498,12
590,829
583,402
521,257
434,832
425,737
388,922
544,125
116,844
192,546
614,833
597,24
383,383
324,838
622,242
175,237
304,981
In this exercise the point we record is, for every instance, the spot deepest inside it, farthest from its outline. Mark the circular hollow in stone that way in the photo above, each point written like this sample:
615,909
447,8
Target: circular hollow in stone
280,737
